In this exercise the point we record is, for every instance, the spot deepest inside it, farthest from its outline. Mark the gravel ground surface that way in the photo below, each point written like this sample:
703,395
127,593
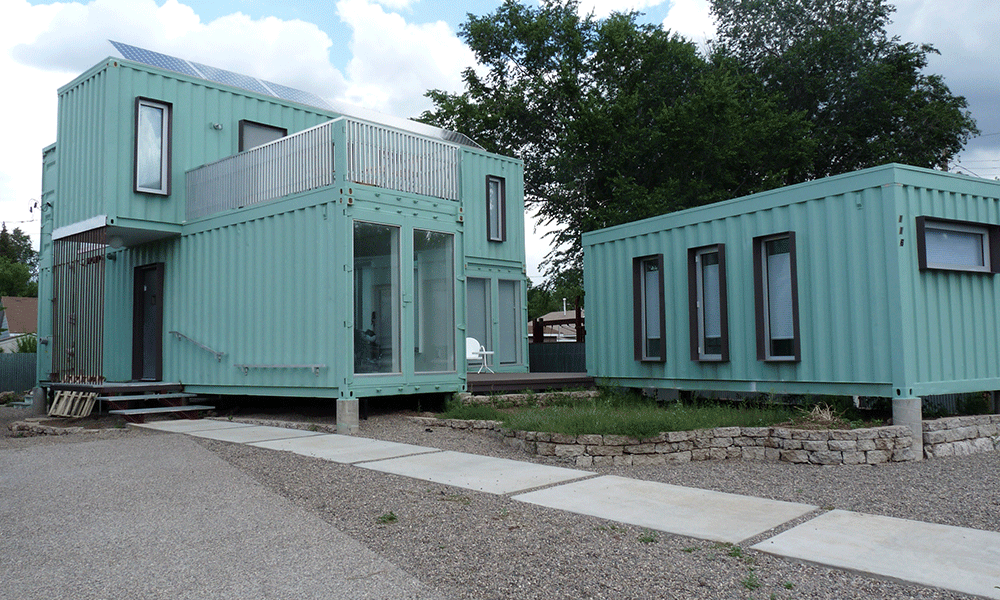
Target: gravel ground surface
474,545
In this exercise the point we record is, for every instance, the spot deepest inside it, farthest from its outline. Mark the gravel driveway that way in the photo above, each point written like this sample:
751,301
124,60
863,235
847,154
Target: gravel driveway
474,545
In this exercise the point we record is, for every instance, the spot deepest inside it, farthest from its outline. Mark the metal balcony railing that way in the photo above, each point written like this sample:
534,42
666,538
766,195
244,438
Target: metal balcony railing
293,164
402,161
375,155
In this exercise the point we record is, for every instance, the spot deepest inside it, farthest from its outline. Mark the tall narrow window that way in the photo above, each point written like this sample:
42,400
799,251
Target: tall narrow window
511,330
376,298
479,318
433,301
257,134
776,296
707,303
496,209
949,245
648,310
152,146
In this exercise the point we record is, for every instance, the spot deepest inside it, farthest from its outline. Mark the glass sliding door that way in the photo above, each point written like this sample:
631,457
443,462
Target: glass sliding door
511,330
376,298
433,301
479,313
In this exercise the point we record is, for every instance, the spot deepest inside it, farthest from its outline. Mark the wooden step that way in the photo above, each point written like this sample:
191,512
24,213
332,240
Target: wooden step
125,397
137,415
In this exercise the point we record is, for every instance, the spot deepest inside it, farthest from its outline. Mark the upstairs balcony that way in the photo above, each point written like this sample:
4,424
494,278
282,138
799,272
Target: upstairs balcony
360,151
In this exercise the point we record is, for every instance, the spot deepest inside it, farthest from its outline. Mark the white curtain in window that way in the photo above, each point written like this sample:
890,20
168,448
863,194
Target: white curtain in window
950,247
779,296
651,297
711,301
149,156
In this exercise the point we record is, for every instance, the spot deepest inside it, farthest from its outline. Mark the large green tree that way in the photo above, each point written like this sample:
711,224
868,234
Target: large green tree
865,94
18,264
615,120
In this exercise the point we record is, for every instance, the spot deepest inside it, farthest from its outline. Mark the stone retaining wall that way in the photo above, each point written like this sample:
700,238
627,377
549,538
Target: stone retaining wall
820,447
959,436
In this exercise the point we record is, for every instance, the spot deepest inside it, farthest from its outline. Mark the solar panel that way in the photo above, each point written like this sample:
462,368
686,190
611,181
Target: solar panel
155,59
276,90
234,79
299,96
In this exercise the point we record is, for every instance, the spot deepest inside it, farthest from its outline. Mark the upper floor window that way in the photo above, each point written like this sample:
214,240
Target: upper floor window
649,324
707,303
152,146
776,298
958,245
496,209
254,134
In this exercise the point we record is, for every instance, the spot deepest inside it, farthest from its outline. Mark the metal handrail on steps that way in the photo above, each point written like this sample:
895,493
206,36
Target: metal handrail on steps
181,336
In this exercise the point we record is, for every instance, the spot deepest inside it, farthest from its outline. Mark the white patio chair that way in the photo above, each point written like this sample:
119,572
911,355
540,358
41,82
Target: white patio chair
474,351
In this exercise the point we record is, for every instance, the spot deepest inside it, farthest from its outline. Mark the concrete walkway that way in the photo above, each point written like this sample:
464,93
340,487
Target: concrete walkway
953,558
87,521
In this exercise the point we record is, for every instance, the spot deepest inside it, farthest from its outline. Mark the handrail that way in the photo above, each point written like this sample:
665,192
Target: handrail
181,336
246,368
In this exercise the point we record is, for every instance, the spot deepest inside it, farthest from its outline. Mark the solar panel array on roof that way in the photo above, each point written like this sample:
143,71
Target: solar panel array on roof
276,90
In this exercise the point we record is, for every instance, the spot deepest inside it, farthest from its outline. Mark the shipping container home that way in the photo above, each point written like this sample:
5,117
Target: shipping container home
235,236
881,282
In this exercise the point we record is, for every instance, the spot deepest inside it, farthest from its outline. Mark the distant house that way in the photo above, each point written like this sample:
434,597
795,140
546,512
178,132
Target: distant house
18,317
235,236
557,326
883,282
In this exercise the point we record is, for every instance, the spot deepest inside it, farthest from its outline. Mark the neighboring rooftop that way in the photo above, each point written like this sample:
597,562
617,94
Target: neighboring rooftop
18,315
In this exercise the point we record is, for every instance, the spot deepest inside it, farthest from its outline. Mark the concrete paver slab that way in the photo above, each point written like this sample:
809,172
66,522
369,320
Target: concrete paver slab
472,472
954,558
344,448
253,433
189,425
695,513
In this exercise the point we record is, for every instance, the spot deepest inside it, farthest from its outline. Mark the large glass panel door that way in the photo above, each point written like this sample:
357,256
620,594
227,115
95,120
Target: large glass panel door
433,301
510,322
376,298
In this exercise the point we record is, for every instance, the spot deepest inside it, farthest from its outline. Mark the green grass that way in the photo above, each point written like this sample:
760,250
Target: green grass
621,413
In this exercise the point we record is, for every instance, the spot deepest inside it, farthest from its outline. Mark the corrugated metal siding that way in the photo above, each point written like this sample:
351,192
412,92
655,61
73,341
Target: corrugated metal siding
842,265
81,131
955,326
262,292
475,167
196,106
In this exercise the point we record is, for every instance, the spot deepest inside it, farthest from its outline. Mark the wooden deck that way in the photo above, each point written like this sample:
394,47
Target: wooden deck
486,383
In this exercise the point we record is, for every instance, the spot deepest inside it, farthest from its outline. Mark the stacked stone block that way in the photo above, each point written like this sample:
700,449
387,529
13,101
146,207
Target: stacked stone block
960,436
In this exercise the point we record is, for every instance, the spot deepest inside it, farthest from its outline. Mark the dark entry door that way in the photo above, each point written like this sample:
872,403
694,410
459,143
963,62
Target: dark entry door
147,323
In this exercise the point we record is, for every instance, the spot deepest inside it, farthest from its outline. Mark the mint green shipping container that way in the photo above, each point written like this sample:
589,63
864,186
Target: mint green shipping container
881,282
236,242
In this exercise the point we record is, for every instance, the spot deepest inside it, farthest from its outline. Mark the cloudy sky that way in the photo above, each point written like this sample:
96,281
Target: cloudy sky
381,54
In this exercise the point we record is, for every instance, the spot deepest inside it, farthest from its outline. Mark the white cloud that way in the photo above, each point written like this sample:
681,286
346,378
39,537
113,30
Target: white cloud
691,19
394,62
603,8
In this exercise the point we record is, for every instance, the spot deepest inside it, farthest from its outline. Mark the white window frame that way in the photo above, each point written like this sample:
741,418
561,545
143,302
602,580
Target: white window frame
641,333
945,226
762,293
499,233
164,150
700,352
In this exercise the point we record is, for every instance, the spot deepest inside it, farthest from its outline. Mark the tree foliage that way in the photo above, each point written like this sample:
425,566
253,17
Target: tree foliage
617,120
18,264
865,94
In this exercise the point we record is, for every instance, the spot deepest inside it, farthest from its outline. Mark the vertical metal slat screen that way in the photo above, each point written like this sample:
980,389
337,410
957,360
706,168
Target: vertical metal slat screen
78,308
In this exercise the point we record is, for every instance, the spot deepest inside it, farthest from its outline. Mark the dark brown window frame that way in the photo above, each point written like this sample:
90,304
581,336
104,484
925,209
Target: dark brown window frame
758,282
694,319
244,122
638,305
992,235
169,146
502,209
